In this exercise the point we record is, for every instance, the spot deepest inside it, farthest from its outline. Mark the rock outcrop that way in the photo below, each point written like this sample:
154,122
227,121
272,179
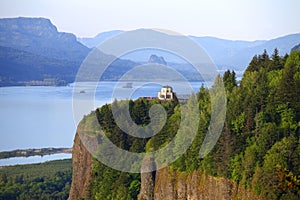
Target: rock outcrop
148,177
156,59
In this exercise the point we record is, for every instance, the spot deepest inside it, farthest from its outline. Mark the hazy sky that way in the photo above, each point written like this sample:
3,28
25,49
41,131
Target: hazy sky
229,19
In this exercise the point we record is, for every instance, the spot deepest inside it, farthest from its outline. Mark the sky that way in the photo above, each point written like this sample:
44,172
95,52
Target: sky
227,19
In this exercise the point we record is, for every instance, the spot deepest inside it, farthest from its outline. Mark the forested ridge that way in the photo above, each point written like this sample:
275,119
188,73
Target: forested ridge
259,147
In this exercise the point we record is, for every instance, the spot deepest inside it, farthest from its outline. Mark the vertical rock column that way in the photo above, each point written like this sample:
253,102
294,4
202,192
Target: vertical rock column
147,179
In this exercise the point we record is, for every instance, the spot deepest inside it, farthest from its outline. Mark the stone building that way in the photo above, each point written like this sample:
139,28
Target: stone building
166,93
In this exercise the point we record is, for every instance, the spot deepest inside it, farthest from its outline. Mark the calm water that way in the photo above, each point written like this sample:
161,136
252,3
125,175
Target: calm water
37,116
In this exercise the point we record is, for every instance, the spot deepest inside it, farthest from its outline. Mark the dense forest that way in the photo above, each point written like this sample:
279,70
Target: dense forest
49,180
259,147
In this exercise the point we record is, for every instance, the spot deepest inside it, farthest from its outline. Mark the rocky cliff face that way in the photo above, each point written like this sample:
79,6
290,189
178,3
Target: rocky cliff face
171,184
82,169
148,183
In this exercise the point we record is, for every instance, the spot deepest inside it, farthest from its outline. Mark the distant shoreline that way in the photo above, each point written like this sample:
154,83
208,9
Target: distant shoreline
33,152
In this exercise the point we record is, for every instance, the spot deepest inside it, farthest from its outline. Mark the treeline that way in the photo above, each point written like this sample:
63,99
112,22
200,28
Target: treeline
259,147
49,180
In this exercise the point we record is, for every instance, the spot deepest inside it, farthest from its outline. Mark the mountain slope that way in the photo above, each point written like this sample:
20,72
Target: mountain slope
19,67
296,48
283,44
39,36
93,42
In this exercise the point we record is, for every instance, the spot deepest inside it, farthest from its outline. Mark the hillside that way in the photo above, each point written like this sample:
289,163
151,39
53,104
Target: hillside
256,156
18,67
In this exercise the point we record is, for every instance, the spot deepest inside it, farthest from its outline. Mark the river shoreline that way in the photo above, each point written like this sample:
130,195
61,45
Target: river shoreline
33,152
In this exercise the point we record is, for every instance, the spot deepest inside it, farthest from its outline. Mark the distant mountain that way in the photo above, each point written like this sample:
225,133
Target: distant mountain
39,36
226,54
242,57
33,52
101,37
296,48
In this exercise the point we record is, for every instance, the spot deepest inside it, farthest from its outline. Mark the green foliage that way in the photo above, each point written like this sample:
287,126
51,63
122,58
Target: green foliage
112,184
235,168
229,80
283,153
49,180
261,128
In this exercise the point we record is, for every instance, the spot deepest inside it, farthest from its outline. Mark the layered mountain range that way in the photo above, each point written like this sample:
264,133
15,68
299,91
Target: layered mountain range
226,54
34,52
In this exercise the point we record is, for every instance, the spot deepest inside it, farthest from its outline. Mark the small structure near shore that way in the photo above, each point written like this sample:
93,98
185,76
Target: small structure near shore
166,93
